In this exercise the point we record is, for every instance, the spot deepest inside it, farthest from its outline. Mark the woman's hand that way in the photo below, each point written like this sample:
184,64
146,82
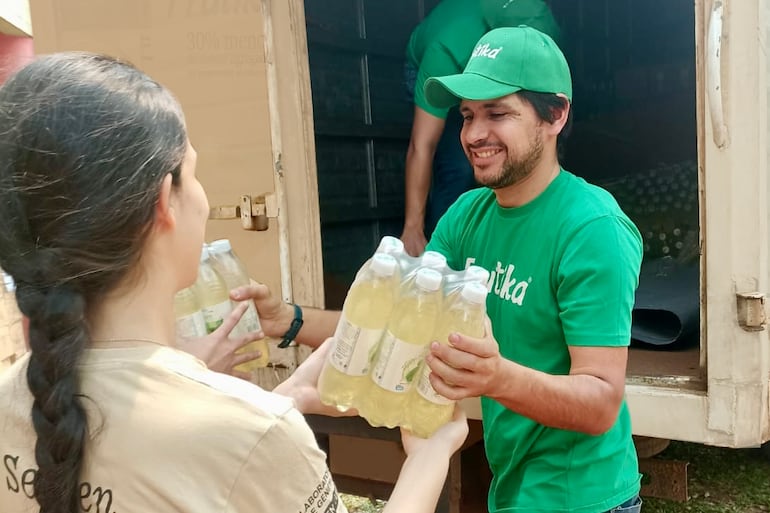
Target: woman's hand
302,385
219,351
449,437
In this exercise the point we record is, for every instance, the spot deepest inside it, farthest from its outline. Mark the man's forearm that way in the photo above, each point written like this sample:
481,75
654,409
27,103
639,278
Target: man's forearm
578,402
418,175
318,325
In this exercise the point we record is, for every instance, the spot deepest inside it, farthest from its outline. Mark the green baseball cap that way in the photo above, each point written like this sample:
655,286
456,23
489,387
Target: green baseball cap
505,61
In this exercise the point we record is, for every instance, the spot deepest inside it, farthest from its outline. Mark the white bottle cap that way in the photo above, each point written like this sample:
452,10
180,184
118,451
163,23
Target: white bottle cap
433,260
477,273
428,279
474,292
383,264
390,245
220,246
205,253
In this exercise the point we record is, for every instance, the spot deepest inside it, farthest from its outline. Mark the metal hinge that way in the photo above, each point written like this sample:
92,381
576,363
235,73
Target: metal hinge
751,311
253,211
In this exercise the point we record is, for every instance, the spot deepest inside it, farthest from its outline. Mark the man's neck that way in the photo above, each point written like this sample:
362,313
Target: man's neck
524,191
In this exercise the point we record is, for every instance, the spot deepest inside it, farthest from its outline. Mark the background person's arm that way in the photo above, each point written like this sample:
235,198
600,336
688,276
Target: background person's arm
426,132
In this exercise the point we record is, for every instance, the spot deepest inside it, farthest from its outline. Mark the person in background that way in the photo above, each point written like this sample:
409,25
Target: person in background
436,170
564,263
102,221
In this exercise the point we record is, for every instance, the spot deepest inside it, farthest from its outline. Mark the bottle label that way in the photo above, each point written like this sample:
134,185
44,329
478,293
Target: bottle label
214,315
250,320
398,363
425,389
355,348
191,326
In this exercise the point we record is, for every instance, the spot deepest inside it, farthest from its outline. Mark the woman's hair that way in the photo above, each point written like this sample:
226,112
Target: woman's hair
85,143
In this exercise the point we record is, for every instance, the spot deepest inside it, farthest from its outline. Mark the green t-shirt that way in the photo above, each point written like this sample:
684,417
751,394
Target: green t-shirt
442,43
564,269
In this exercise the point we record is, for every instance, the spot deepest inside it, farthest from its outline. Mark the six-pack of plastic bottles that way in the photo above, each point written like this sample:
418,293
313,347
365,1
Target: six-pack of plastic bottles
203,307
396,306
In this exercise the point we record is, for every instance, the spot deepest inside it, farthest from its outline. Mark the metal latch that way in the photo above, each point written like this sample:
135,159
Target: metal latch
751,311
253,211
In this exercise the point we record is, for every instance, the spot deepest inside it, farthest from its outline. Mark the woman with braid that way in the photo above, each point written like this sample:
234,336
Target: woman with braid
101,223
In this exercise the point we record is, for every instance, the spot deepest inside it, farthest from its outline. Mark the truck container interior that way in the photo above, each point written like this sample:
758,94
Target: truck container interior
633,67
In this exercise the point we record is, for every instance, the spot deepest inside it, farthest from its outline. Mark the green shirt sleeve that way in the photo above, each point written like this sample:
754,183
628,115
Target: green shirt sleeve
596,281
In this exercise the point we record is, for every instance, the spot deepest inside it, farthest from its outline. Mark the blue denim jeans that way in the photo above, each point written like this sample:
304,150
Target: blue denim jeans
630,506
452,173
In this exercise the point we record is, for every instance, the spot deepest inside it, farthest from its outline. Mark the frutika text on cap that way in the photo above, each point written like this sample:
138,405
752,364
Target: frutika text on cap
485,51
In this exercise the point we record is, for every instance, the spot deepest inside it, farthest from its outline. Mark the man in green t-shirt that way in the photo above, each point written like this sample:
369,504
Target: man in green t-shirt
565,262
437,171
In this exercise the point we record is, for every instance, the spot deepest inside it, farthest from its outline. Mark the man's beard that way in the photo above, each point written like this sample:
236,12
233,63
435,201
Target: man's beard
516,170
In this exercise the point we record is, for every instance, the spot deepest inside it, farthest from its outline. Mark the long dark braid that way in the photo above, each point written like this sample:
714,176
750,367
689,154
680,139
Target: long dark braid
58,336
85,142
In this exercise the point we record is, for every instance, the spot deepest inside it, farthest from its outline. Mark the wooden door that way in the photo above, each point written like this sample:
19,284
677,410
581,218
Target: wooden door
219,59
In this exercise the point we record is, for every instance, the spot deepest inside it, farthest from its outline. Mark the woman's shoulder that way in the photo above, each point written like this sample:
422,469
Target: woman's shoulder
174,386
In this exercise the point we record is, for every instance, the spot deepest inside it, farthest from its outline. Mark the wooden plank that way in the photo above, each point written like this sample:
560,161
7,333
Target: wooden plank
291,113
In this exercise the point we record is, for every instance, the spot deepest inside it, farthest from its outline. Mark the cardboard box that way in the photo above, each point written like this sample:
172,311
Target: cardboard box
14,18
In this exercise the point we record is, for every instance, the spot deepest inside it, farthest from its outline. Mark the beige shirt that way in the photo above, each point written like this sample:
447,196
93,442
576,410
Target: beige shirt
168,435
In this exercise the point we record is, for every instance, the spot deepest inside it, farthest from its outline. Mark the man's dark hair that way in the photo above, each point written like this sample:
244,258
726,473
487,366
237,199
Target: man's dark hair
547,106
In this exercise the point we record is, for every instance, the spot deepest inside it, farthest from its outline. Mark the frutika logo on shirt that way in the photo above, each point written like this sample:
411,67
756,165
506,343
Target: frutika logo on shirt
486,51
504,284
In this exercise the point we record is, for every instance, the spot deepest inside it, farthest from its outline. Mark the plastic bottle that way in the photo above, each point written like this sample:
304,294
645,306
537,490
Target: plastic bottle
454,280
212,294
428,410
234,273
476,273
433,260
410,266
388,245
365,313
189,318
402,350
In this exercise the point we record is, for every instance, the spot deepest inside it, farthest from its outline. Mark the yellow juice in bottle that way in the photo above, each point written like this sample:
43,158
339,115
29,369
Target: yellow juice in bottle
428,410
345,376
234,274
402,350
212,294
189,318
